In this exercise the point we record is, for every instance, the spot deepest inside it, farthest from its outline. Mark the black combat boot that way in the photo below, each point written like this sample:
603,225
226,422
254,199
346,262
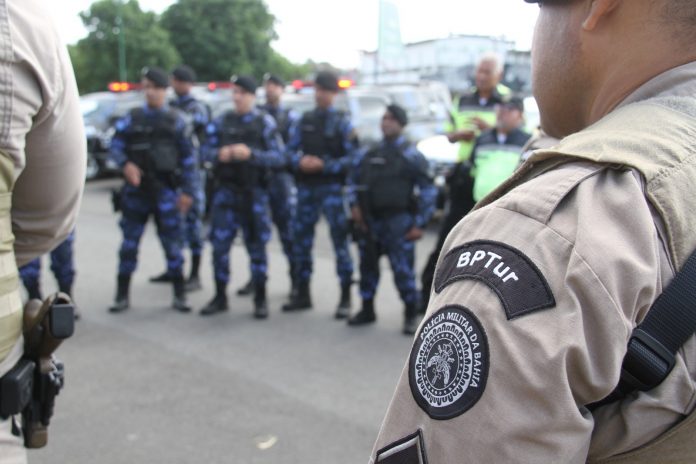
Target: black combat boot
121,303
179,302
247,288
219,302
163,278
193,283
260,306
366,314
300,300
343,309
33,291
411,319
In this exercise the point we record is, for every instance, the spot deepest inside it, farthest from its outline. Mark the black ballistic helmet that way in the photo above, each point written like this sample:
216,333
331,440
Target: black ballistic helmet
247,83
272,78
184,73
156,75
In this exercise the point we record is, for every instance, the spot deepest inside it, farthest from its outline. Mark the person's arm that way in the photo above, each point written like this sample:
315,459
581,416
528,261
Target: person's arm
271,155
531,312
187,159
427,196
46,195
211,146
117,148
292,149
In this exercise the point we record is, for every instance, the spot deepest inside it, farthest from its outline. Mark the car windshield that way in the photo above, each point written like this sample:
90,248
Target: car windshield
415,103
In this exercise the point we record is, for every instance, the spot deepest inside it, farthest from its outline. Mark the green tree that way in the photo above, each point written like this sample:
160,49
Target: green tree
96,57
221,37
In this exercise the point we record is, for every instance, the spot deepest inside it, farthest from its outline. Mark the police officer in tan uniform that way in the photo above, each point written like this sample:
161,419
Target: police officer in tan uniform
42,167
538,290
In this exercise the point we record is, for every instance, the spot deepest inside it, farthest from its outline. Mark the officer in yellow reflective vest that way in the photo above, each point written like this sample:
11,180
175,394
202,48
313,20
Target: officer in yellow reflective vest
498,152
473,113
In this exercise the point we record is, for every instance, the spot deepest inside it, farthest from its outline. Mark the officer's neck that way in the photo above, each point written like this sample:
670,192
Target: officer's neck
243,111
155,106
392,139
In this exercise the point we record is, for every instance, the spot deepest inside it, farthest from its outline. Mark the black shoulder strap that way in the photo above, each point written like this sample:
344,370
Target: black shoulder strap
670,322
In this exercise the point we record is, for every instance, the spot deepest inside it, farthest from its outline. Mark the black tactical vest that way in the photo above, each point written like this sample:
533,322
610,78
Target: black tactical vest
282,119
240,174
151,142
322,141
387,182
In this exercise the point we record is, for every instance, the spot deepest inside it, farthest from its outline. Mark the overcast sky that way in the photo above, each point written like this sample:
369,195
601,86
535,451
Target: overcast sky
349,26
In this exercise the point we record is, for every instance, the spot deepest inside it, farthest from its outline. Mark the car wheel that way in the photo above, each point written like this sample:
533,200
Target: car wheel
93,169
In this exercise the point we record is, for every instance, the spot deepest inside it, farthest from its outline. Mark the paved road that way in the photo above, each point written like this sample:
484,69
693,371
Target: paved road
154,386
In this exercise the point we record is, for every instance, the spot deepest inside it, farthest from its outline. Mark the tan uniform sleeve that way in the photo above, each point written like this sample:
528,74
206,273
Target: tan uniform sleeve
42,129
590,235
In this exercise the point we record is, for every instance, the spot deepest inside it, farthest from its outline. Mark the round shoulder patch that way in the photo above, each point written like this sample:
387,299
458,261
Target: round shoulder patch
448,367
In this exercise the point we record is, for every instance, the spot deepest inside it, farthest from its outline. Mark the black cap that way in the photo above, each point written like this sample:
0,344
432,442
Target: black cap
157,76
399,114
184,73
514,103
273,79
248,83
327,81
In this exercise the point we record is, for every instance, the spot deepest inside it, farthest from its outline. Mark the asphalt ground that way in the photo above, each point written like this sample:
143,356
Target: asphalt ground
155,386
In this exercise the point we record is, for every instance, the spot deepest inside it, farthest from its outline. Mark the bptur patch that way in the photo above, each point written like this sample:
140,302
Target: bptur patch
448,367
519,284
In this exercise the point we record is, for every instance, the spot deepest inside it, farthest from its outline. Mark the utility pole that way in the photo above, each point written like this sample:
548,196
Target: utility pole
122,72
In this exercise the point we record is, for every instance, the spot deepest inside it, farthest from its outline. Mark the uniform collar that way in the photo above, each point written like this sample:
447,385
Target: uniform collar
184,98
676,82
149,110
394,143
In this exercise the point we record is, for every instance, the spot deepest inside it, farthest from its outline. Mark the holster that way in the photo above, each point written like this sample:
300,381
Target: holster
31,386
116,200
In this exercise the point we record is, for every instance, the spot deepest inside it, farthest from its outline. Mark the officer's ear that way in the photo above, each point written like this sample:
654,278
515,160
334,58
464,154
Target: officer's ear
599,10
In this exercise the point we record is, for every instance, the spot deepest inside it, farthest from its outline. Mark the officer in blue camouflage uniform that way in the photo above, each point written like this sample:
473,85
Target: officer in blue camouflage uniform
241,144
183,78
153,146
281,184
392,199
322,150
61,266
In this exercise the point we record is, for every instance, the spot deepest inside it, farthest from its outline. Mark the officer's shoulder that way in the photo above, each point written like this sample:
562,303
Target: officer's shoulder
556,188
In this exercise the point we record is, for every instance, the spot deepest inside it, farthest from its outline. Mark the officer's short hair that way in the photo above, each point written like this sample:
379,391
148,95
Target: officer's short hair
680,16
327,81
398,113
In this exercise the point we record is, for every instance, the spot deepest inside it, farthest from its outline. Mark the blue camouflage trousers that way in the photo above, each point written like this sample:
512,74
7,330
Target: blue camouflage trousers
231,211
283,201
61,265
193,224
311,201
137,205
388,238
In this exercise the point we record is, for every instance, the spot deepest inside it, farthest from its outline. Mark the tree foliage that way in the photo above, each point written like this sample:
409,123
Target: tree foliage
221,37
96,57
217,38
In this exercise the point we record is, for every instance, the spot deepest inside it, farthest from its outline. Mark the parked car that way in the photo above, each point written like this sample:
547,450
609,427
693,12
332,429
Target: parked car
100,111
